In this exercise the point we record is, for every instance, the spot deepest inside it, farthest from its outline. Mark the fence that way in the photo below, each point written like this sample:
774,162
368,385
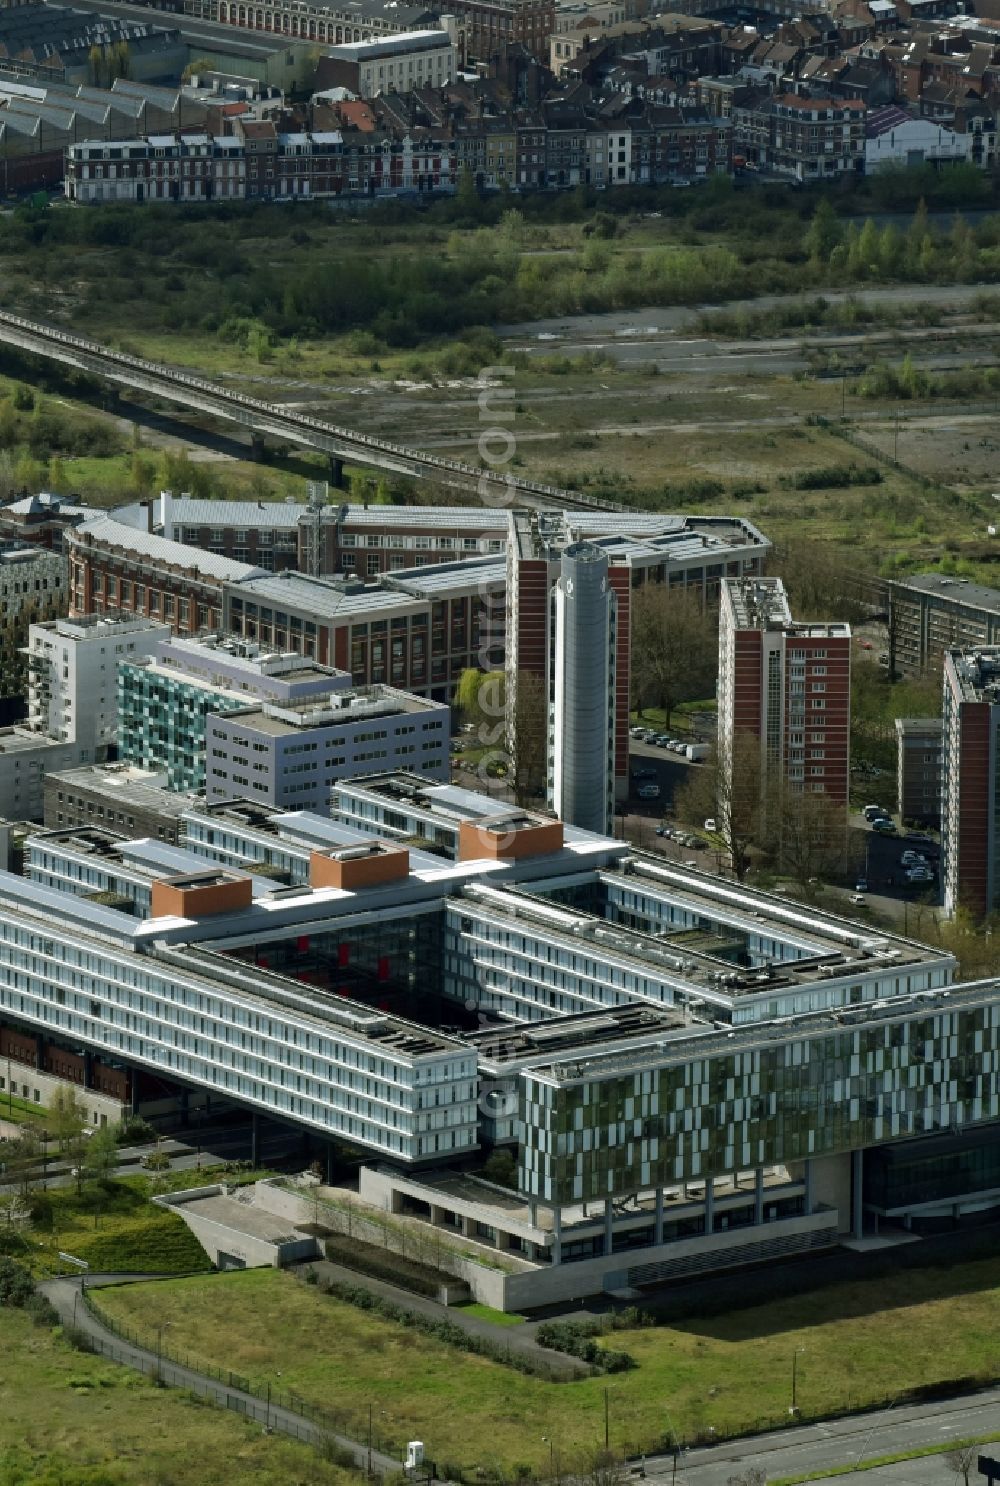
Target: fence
280,1408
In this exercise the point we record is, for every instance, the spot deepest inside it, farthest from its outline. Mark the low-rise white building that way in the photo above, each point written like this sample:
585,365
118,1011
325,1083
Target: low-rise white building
892,136
394,64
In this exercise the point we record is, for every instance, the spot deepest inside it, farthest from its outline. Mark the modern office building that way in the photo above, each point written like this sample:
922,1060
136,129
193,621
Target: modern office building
930,613
106,867
290,754
694,1075
165,700
970,781
134,802
26,761
582,692
788,684
73,675
918,770
684,552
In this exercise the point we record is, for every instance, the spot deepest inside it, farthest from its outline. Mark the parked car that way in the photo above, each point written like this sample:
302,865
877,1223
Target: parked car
871,812
664,831
710,825
861,886
649,792
884,826
645,772
857,897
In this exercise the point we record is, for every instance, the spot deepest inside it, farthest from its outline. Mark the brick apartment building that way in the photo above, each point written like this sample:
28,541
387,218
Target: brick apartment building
918,770
694,553
787,683
113,566
808,138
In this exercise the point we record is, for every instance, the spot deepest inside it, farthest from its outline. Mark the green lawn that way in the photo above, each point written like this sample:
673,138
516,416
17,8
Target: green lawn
487,1313
860,1343
71,1419
114,1226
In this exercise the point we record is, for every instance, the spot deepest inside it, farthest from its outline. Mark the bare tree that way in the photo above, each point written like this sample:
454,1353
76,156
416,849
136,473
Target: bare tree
962,1461
752,1476
807,835
604,1468
729,789
674,647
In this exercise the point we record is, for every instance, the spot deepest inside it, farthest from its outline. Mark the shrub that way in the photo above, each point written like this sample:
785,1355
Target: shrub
577,1339
16,1285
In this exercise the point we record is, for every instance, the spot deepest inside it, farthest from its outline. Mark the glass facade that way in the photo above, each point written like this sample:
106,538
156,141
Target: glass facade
838,1090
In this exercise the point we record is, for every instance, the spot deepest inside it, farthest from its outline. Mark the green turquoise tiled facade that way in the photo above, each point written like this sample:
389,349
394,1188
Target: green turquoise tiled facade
161,723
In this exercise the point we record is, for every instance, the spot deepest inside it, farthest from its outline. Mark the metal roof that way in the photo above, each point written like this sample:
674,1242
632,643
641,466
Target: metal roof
144,544
186,511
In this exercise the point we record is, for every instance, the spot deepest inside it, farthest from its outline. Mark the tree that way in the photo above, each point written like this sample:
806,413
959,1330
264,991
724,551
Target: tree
101,1157
962,1461
728,787
675,646
501,1168
195,68
604,1468
67,1116
467,695
752,1476
21,1157
529,737
807,835
823,233
822,581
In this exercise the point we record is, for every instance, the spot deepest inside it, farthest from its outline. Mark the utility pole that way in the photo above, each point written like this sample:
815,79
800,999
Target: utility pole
369,1437
606,1433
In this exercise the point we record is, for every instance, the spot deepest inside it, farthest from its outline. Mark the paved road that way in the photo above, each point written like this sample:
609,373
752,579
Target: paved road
64,1295
838,1442
654,319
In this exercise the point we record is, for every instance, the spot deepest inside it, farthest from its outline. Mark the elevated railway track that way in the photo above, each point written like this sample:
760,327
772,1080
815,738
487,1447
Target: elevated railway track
262,419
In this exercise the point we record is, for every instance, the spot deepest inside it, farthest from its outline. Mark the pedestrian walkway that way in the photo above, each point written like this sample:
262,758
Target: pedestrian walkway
65,1294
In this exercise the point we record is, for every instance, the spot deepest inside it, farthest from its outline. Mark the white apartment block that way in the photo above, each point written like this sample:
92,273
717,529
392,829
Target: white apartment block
73,675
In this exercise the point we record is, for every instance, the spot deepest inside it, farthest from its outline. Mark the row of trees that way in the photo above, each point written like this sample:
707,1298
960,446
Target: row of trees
93,1156
801,835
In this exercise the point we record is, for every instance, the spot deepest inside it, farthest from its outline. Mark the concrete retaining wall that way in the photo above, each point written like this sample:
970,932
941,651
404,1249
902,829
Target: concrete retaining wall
485,1284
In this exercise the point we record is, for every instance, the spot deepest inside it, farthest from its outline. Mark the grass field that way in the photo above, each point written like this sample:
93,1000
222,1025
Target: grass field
71,1419
857,1344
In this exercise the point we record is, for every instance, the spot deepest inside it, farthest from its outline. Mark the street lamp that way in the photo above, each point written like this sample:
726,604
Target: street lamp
795,1378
